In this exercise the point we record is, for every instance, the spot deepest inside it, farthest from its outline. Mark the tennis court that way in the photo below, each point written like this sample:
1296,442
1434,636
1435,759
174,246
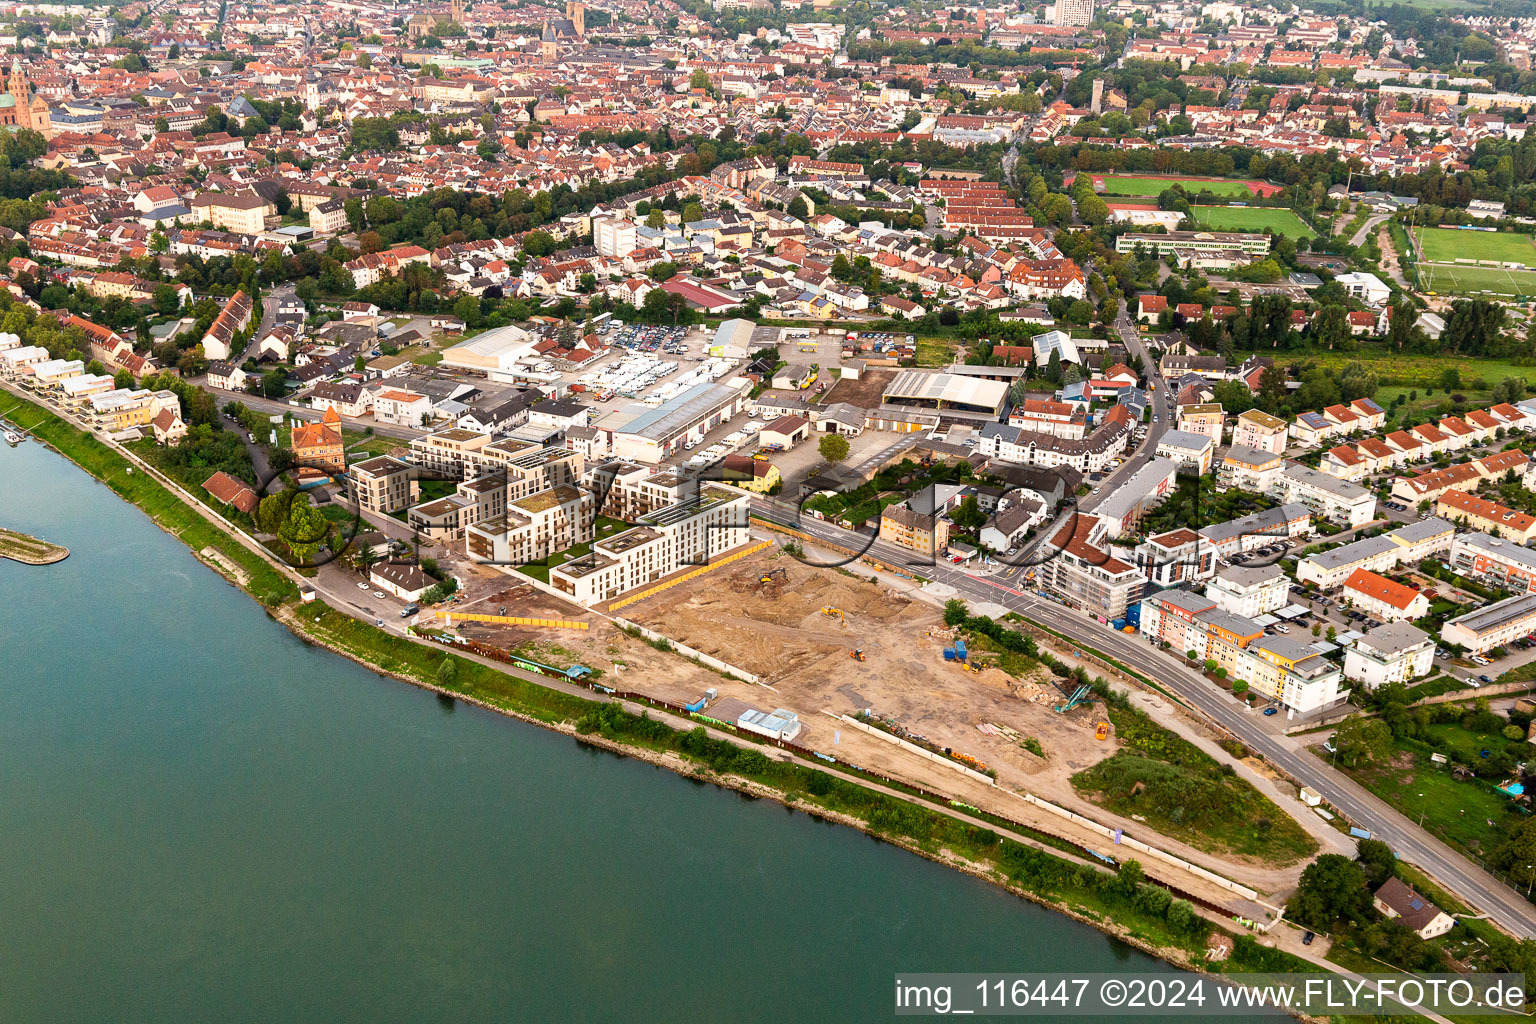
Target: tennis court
1252,218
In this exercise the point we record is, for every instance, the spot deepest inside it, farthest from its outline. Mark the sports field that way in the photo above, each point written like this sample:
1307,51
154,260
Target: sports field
1116,185
1444,279
1252,218
1446,245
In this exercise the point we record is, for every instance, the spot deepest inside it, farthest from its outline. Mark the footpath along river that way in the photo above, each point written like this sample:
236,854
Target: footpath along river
204,818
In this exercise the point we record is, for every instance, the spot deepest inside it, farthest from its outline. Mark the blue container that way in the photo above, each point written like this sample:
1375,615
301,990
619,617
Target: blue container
960,649
949,654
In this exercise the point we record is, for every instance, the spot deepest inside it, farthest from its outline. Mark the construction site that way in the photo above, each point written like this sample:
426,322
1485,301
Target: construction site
877,680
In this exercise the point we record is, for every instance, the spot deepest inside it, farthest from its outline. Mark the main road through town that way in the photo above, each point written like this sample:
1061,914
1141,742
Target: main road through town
1507,908
1504,906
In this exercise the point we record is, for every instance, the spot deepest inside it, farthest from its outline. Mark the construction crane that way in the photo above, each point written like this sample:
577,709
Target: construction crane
857,654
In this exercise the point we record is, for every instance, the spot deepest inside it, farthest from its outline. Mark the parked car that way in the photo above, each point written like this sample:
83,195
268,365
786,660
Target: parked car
1271,711
409,610
365,585
1307,937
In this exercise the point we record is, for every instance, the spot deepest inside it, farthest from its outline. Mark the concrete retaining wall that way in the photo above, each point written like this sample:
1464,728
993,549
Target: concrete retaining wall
689,652
1151,851
920,751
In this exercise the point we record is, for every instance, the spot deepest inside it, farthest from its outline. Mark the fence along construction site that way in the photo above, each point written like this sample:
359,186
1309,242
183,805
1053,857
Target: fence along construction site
771,632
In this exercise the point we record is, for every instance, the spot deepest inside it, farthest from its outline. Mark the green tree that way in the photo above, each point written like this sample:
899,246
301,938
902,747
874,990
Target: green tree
1376,860
538,243
833,447
956,611
656,219
166,300
1332,889
274,383
968,515
1361,740
303,530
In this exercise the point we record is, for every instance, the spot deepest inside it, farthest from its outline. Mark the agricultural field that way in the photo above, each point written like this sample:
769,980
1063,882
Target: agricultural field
1117,185
1446,245
1252,218
1444,279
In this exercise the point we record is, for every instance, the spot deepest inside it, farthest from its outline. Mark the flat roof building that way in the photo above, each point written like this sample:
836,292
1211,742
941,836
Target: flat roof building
1493,626
947,392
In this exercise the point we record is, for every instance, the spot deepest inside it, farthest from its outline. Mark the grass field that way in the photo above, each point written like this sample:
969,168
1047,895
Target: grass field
1418,372
1117,185
1444,279
1456,812
1252,218
1183,792
1445,245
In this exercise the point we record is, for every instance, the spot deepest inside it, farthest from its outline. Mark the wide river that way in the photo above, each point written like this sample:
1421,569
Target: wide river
204,819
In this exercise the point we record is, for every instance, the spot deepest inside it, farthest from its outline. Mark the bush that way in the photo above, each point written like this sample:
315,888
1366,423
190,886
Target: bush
956,611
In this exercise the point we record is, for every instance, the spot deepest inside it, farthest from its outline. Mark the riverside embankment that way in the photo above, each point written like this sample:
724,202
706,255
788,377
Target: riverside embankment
1047,877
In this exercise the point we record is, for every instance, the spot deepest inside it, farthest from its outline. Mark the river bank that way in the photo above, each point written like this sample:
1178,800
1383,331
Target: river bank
1081,892
29,550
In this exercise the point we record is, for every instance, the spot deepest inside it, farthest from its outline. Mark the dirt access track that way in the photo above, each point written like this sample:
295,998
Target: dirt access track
779,632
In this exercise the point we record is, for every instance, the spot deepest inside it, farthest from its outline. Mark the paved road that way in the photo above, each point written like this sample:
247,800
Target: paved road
1158,402
1366,228
1507,909
273,405
269,303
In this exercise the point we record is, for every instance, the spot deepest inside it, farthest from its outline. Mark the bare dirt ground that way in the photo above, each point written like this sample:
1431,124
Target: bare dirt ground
863,392
779,632
625,661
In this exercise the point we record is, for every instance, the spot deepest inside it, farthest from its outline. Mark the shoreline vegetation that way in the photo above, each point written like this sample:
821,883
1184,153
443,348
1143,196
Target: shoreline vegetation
1120,903
29,550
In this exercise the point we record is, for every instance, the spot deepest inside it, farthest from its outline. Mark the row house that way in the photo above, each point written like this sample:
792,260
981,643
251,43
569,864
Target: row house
1284,670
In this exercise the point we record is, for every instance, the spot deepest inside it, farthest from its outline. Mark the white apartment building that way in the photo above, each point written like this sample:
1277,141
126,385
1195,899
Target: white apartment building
402,408
1189,451
1343,502
1383,599
1249,592
1494,626
383,484
1392,653
614,237
1248,469
1329,569
1258,429
533,528
1406,546
1074,12
701,523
